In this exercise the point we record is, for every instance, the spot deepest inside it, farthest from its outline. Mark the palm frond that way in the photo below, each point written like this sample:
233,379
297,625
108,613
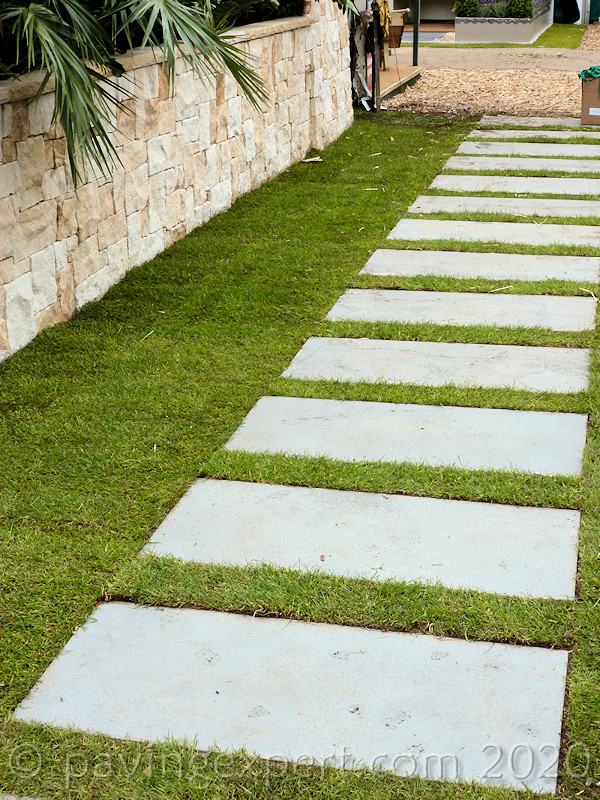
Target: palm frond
189,31
83,99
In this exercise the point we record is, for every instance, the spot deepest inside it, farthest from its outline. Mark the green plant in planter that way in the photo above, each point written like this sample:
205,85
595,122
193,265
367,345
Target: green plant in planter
494,10
520,9
466,8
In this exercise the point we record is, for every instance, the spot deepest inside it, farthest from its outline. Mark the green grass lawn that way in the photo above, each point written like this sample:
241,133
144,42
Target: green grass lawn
564,36
108,419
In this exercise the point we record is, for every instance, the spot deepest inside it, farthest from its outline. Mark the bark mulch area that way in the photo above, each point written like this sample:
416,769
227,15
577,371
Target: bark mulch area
479,91
591,38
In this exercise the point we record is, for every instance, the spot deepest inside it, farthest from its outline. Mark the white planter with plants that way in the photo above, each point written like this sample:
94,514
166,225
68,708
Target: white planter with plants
502,21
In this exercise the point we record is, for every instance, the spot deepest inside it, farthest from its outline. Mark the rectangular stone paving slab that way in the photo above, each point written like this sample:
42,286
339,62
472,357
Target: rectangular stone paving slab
531,122
534,369
541,149
519,206
465,308
539,134
469,438
509,232
493,266
513,164
491,548
311,693
516,185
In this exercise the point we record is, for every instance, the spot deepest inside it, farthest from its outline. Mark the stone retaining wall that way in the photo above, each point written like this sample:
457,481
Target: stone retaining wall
184,159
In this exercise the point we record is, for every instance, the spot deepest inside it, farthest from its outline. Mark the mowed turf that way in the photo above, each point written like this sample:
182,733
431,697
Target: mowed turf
108,419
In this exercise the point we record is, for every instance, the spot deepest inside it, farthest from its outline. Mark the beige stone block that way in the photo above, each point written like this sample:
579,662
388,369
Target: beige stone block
151,118
147,80
157,208
51,315
3,335
66,291
117,256
35,229
173,235
55,183
66,217
86,259
166,116
6,109
20,121
199,163
185,100
137,189
145,222
7,272
118,186
87,210
43,276
220,89
10,179
61,250
134,155
175,208
18,312
126,120
163,84
9,150
31,157
112,230
22,267
41,112
107,203
177,148
49,150
222,120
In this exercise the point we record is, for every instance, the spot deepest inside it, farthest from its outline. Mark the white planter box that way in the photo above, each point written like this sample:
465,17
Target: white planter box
487,30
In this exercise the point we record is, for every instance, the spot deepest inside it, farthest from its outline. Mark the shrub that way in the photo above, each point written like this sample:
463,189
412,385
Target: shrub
243,12
520,9
466,8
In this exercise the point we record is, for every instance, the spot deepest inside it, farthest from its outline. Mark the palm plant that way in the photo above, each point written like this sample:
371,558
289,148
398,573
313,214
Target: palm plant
74,42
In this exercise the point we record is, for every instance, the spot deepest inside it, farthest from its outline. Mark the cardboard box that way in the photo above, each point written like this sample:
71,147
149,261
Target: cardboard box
590,102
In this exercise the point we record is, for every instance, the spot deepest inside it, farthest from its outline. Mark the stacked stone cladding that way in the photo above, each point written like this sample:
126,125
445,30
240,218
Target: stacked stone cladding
183,159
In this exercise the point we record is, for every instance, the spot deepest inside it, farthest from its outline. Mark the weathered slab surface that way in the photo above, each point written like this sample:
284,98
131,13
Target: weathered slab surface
508,232
517,185
534,369
512,164
466,308
494,266
544,150
518,206
531,122
347,696
491,548
470,438
539,134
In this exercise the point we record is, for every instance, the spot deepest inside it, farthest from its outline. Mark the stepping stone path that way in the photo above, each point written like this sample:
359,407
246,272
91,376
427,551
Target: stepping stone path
439,708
